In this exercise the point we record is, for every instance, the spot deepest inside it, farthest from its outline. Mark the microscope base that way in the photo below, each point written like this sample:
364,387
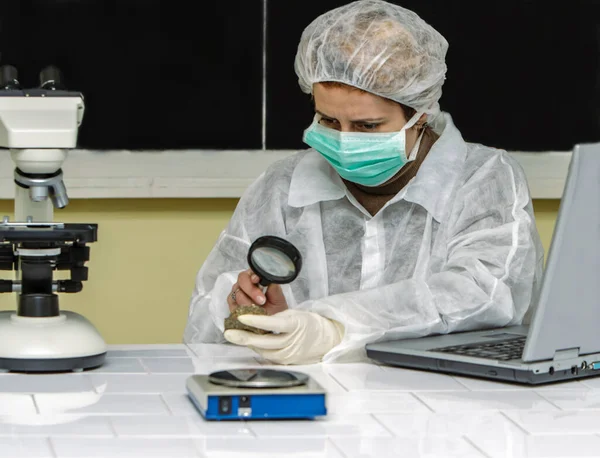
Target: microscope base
49,344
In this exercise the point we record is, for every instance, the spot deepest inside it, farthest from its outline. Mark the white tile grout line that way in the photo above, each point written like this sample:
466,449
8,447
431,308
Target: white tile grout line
582,381
112,426
51,447
146,368
427,406
549,401
383,425
35,404
332,376
264,77
189,352
472,444
510,420
248,425
334,445
166,404
460,383
94,387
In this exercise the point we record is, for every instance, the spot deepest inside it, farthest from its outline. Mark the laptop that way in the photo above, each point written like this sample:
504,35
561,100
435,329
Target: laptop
562,341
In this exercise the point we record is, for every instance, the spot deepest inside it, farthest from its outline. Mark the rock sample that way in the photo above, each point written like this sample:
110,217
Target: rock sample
232,322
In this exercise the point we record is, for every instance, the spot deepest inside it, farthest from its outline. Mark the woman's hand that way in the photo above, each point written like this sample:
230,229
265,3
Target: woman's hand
248,291
295,337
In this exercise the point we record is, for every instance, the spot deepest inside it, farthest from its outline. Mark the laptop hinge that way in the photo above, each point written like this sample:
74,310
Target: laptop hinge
569,353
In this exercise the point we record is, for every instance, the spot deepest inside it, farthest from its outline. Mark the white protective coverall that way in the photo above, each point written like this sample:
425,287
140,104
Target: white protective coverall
456,249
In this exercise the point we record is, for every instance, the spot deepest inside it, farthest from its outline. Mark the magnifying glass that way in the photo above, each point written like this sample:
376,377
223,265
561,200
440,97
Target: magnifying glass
274,260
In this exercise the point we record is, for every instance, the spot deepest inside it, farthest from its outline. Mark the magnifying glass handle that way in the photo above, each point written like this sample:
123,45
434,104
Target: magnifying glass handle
263,285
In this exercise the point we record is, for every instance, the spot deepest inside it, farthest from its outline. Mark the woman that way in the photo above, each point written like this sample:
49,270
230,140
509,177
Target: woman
405,229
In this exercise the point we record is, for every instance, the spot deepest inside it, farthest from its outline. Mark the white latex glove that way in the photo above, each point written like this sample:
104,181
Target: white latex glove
304,337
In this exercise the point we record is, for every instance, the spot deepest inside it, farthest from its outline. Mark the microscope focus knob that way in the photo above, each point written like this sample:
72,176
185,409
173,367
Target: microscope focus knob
51,78
8,78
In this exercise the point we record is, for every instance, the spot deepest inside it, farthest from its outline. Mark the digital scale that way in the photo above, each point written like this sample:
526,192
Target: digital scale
252,394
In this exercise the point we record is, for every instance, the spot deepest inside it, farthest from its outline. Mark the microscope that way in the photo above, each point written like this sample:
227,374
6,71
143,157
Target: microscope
38,126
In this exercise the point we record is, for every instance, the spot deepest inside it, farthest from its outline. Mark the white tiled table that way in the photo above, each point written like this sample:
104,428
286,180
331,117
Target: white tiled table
136,406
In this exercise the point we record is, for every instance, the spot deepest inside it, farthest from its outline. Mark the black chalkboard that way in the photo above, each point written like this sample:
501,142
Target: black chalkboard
156,74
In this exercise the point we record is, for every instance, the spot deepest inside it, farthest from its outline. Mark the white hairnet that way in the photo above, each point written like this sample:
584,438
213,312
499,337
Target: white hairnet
376,46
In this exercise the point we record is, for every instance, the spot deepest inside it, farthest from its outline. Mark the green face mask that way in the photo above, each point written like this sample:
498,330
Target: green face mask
368,159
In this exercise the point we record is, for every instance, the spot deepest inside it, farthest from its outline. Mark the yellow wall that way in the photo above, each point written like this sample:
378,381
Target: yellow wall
545,216
143,266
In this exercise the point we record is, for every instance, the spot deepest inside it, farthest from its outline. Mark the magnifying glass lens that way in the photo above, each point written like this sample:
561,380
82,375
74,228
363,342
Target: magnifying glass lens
274,260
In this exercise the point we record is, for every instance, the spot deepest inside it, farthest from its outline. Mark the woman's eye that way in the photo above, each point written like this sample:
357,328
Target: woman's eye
369,126
328,121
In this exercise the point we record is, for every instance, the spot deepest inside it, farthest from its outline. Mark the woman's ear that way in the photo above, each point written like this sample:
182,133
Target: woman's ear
422,122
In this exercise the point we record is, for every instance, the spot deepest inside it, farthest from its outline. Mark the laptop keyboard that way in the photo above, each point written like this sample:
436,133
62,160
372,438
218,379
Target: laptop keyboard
503,350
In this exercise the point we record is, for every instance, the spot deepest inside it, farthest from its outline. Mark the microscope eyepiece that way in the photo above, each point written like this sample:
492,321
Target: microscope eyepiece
9,78
51,78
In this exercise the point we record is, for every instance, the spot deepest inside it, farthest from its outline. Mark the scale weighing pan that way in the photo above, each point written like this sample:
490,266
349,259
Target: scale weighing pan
251,394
